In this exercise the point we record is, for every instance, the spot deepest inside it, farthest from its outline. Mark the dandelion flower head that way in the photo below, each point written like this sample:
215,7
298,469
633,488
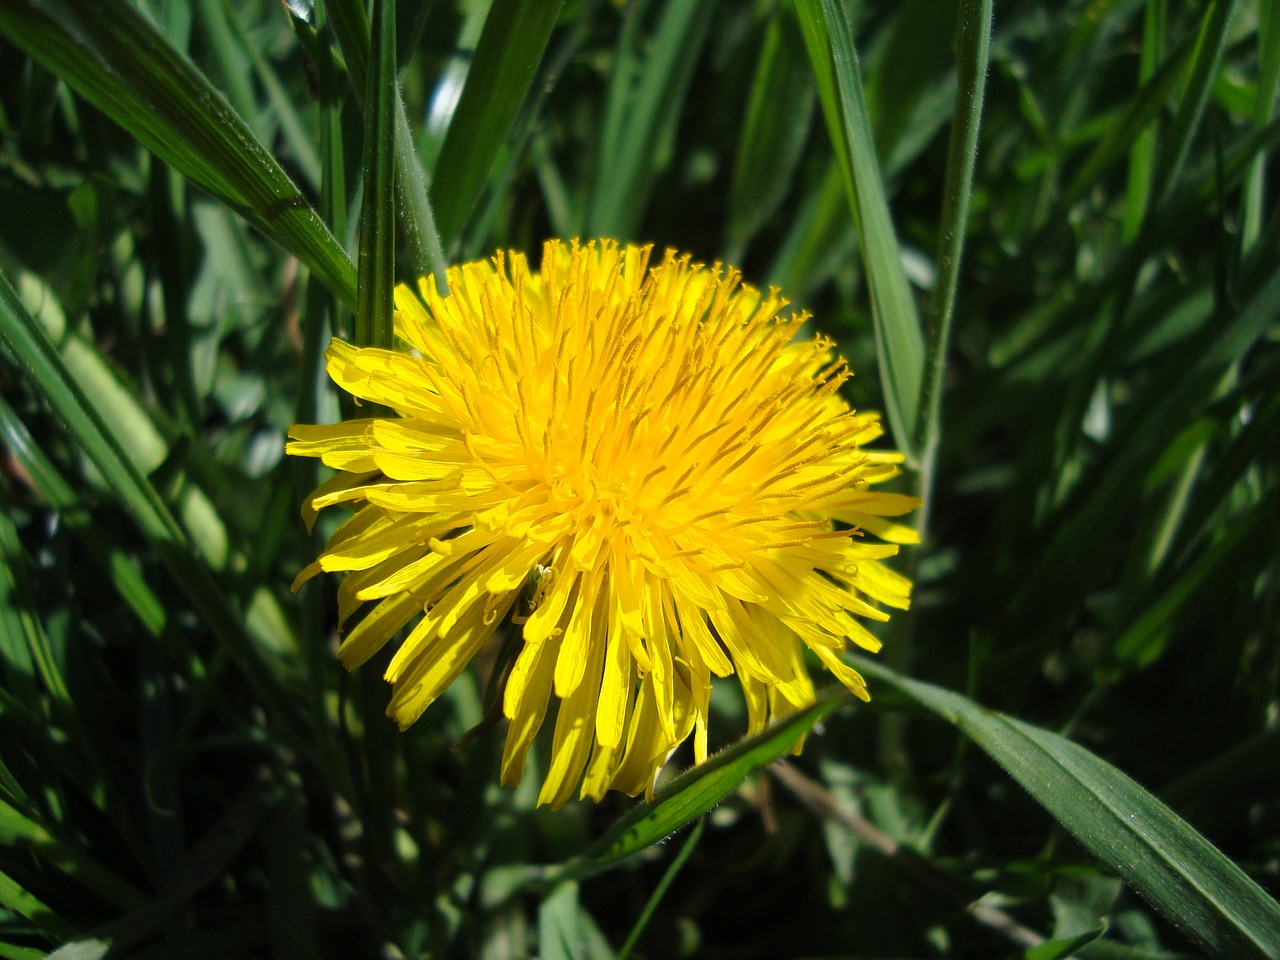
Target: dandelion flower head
637,467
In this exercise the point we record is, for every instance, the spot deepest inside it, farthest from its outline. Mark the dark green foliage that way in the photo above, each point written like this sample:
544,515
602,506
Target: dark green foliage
186,772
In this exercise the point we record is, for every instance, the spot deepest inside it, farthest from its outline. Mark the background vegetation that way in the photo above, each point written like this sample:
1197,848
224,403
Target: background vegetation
184,189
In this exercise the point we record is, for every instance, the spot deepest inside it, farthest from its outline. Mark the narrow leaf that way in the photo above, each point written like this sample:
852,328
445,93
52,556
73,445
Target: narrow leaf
643,104
696,791
15,897
772,139
899,341
973,42
1064,947
655,898
117,59
29,346
17,830
378,213
1189,880
511,47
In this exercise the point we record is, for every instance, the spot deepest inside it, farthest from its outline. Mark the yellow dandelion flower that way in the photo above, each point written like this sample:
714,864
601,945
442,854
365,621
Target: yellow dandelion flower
682,482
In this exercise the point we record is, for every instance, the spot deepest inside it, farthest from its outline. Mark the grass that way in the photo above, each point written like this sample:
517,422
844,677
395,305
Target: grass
1047,242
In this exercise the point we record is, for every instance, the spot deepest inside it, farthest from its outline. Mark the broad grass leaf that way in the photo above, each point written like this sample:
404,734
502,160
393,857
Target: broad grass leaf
899,339
117,59
1184,876
512,45
696,791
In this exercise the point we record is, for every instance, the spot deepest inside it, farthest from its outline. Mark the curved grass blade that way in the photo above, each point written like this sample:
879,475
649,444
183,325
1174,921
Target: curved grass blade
1184,876
116,58
1252,203
115,563
512,45
899,341
1064,947
29,346
696,791
17,899
21,832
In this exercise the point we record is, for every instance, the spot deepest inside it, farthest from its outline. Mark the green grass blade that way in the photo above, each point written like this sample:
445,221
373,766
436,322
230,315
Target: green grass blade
973,47
425,252
20,624
11,951
1175,868
659,891
1134,127
696,791
1207,55
772,139
512,45
566,930
59,494
1254,201
1142,156
819,242
899,341
1066,947
15,897
645,96
17,830
117,60
30,347
1227,775
293,129
378,213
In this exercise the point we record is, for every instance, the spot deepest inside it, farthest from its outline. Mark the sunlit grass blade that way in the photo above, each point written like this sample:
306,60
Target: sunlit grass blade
116,59
21,832
696,791
899,339
1066,947
117,565
19,900
1192,373
416,218
1176,144
29,346
1175,868
283,109
512,45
